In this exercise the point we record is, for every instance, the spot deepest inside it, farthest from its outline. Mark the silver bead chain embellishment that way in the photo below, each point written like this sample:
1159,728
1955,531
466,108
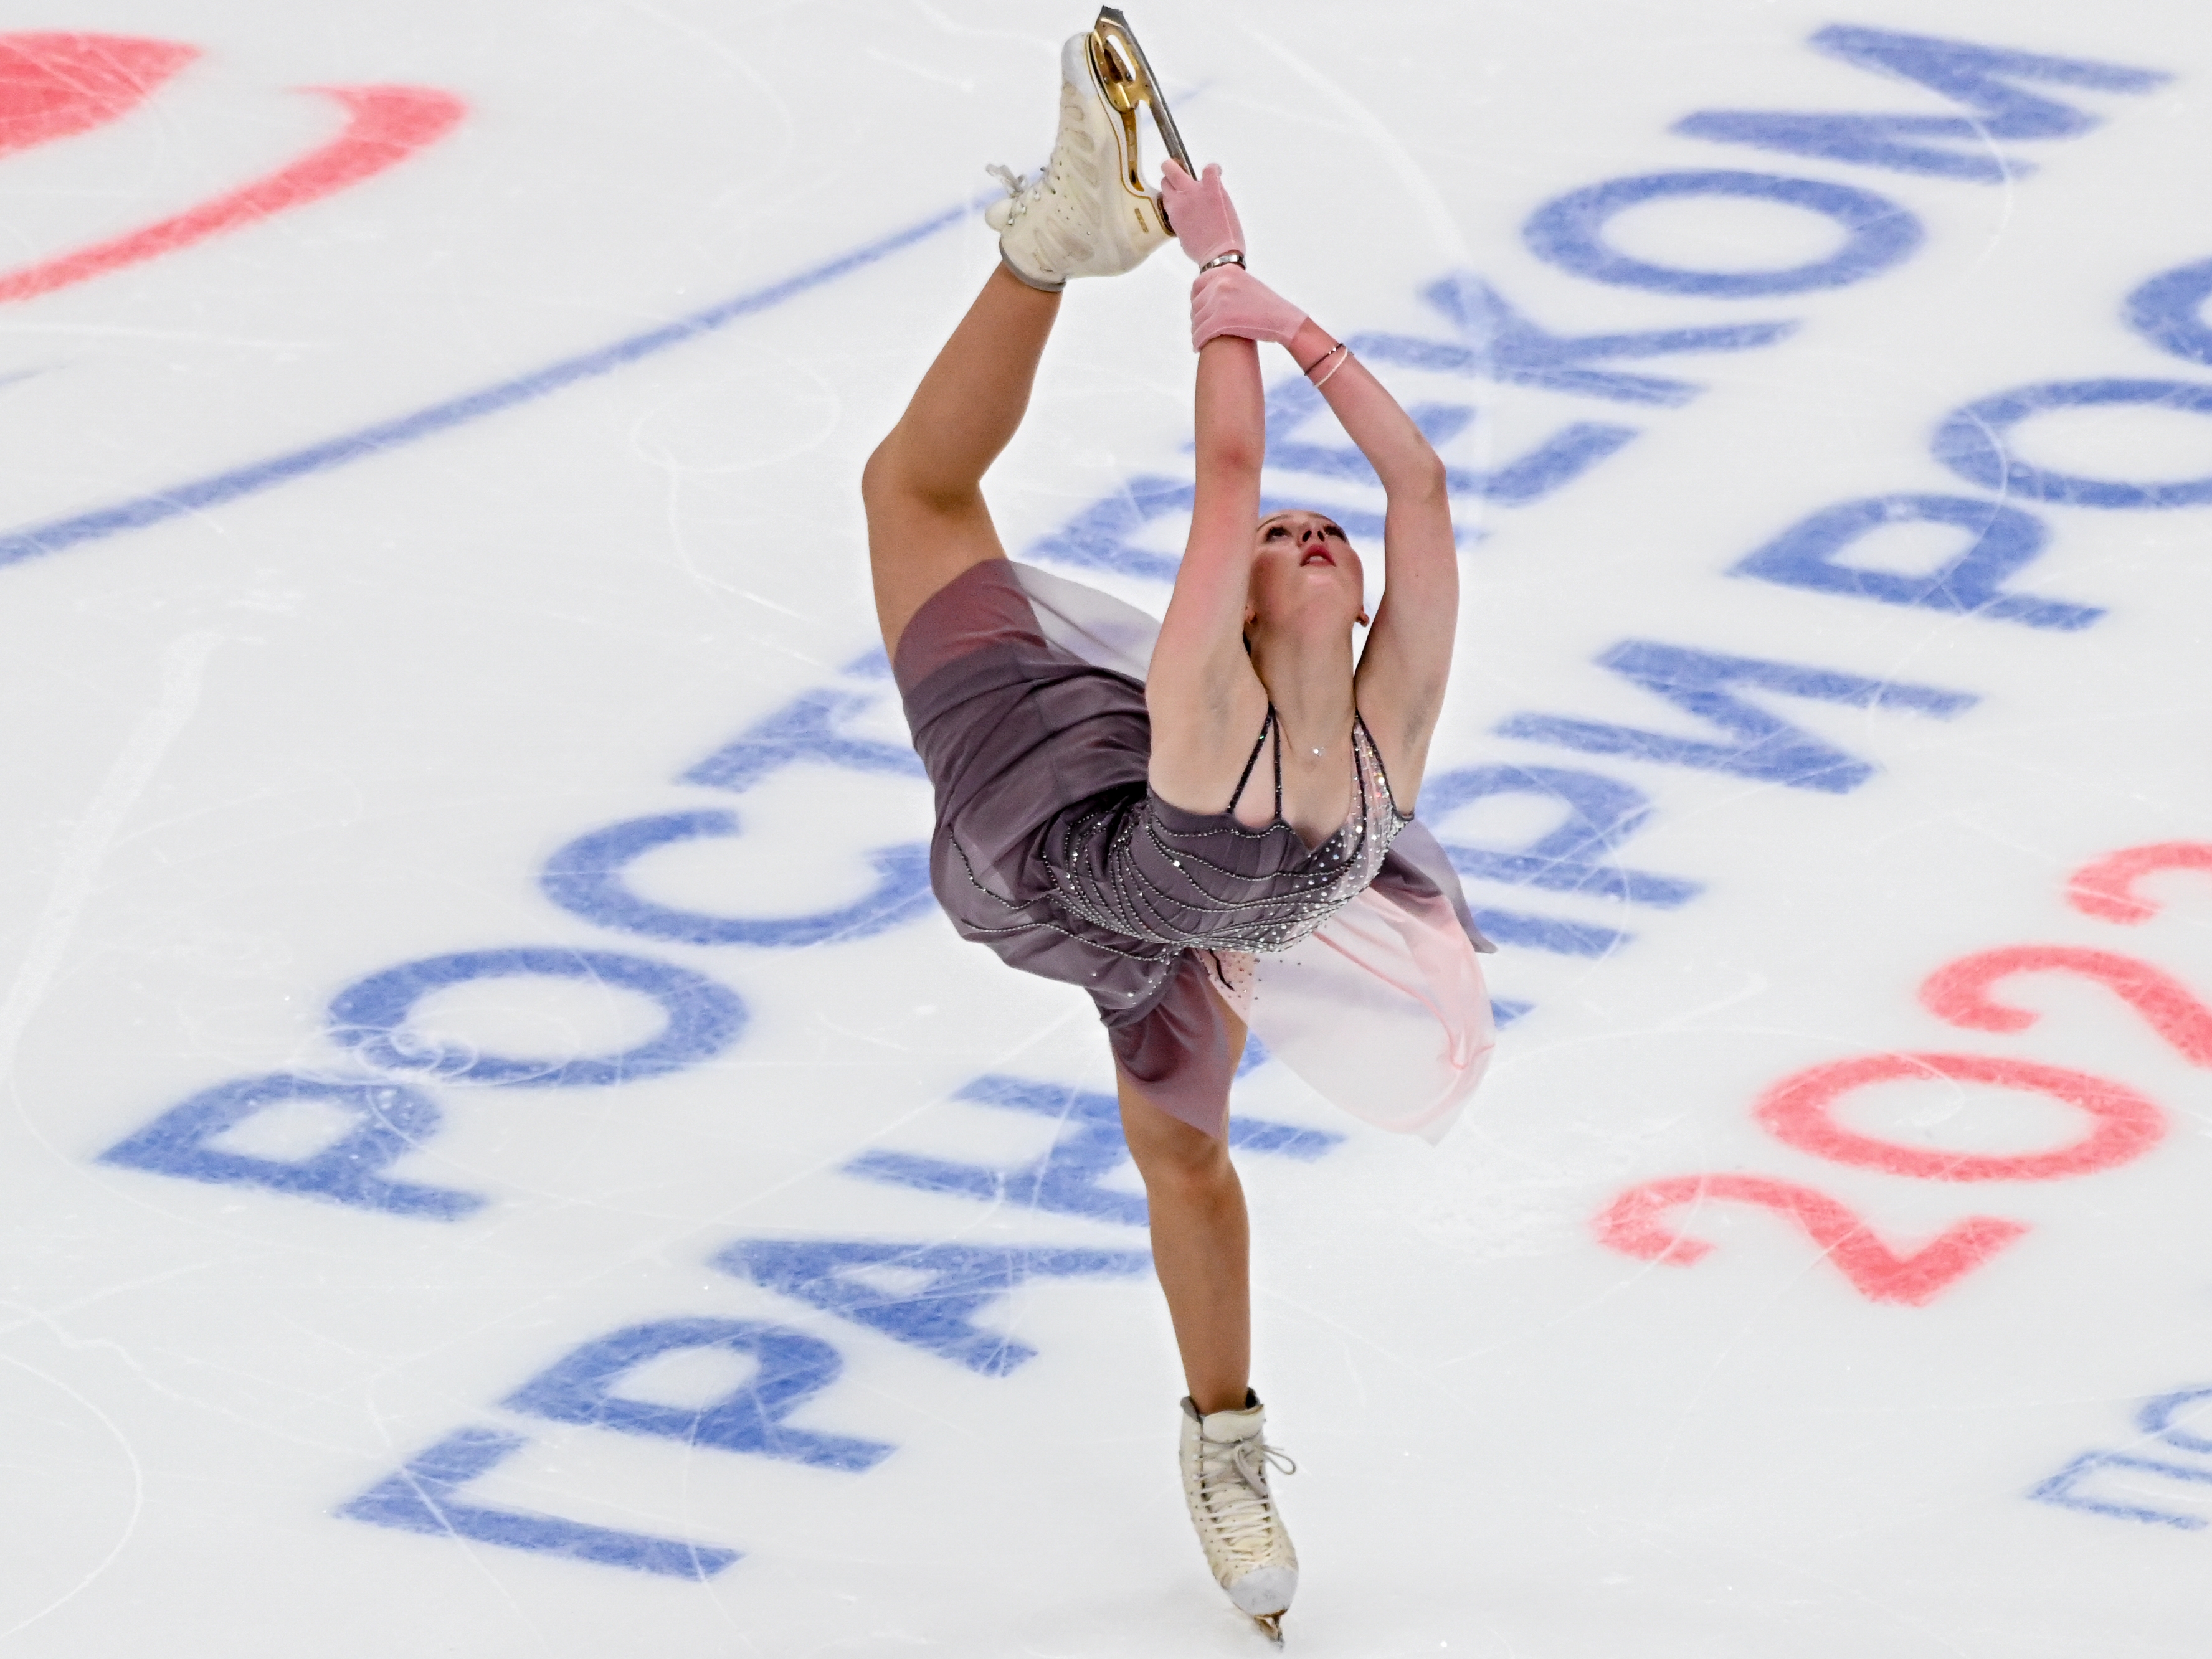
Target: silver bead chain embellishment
1206,902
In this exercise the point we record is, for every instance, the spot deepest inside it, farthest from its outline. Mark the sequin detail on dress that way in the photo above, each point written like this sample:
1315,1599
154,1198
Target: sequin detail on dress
1145,870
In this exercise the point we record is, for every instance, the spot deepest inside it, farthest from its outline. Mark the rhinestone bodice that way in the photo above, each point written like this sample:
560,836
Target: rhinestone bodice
1134,864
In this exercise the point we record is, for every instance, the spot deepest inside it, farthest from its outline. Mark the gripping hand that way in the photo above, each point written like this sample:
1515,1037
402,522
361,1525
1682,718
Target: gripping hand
1204,217
1229,300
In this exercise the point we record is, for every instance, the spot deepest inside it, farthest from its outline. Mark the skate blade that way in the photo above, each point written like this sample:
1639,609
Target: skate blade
1272,1623
1125,76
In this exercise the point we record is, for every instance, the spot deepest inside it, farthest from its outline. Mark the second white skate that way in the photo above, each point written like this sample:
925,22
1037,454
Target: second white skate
1225,1464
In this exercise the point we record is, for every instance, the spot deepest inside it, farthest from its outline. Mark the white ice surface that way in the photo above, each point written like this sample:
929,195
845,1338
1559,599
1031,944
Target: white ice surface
270,746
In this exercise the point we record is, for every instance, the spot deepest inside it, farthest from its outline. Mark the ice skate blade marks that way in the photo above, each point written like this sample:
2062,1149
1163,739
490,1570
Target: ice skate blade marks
1125,75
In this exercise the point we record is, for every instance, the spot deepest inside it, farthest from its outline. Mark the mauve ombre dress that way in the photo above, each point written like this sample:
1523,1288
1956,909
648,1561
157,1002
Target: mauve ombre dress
1353,962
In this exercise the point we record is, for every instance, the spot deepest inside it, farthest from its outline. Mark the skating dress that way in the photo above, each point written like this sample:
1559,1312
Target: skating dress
1353,962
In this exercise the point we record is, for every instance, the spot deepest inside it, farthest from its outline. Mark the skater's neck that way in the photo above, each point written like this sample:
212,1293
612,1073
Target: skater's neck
1306,671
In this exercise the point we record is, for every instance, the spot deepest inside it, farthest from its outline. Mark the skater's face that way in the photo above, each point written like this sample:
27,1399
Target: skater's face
1304,570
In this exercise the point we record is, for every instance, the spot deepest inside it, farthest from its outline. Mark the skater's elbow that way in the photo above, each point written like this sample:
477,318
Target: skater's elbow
1417,477
1231,458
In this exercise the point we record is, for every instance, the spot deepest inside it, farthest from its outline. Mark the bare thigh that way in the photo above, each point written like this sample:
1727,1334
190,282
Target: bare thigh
918,542
924,485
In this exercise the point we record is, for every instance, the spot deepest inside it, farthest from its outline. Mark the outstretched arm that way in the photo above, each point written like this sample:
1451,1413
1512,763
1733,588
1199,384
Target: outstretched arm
1204,700
1403,672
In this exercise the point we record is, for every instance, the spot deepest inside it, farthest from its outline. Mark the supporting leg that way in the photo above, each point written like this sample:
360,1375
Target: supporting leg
923,486
1201,1245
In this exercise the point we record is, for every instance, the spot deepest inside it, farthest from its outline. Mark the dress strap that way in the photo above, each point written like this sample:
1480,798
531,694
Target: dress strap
1253,759
1279,766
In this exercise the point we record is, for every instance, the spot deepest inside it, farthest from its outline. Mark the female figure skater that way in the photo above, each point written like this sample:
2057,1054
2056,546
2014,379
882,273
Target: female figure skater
1227,839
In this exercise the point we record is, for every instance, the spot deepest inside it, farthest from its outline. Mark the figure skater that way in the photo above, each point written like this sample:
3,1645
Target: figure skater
1220,835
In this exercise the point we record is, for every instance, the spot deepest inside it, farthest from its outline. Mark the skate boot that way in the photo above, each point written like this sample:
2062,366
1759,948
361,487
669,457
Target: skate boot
1088,214
1225,1482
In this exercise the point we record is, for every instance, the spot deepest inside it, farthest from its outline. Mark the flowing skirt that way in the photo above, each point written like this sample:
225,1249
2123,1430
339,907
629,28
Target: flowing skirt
1024,692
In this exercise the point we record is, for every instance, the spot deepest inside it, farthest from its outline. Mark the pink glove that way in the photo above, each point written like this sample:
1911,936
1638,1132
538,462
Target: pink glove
1204,217
1229,299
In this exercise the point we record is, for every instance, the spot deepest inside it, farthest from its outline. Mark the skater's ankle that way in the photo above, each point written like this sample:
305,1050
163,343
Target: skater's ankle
1239,1398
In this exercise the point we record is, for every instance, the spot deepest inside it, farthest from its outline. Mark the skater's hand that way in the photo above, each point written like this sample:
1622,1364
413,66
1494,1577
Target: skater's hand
1204,217
1229,300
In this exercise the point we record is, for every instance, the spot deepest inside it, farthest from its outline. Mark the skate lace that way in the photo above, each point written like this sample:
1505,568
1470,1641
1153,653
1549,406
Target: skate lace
1021,186
1233,1484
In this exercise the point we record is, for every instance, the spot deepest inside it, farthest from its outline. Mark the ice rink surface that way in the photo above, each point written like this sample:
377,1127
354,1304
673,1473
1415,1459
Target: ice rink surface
504,1159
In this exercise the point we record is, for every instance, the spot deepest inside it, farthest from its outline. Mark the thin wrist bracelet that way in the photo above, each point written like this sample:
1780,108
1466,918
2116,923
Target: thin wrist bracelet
1324,358
1229,258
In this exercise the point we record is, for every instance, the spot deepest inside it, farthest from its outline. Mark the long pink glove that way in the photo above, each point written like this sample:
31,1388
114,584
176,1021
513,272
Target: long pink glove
1229,300
1204,217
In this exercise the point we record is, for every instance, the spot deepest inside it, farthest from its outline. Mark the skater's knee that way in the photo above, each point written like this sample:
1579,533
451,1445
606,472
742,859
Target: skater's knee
892,483
1197,1181
880,484
1174,1158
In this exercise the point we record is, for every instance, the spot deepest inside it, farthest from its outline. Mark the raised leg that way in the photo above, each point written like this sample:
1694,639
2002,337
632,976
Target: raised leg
923,486
1201,1245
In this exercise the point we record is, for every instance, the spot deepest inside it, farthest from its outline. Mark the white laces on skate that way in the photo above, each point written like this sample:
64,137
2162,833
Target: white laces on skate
1022,186
1255,1457
1233,1486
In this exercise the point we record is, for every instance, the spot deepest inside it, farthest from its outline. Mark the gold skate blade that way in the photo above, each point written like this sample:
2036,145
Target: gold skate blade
1125,74
1272,1623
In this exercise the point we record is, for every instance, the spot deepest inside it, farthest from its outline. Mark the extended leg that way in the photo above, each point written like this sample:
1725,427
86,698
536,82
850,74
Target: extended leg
1201,1245
923,486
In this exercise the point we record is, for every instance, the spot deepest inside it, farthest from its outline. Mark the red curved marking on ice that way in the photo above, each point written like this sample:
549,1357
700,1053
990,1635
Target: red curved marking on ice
385,126
2105,888
1959,992
53,85
1636,1225
1800,1109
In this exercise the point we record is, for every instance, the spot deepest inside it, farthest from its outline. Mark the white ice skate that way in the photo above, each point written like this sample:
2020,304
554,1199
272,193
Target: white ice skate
1226,1458
1089,213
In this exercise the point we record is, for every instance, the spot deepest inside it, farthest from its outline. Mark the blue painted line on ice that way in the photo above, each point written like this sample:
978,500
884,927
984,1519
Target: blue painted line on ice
201,494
